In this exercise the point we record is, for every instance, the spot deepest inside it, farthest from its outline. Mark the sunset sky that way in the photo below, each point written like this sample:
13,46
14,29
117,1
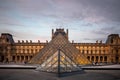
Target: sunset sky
87,20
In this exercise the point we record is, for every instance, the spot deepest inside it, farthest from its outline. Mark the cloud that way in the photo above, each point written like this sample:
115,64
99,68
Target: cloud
87,17
108,29
27,34
66,10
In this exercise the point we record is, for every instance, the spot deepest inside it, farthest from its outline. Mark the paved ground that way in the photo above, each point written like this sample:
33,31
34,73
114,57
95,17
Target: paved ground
103,66
30,74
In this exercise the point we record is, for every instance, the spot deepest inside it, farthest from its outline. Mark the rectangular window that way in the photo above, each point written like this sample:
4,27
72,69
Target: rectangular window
36,51
31,50
23,50
99,51
103,51
91,52
27,50
87,52
83,51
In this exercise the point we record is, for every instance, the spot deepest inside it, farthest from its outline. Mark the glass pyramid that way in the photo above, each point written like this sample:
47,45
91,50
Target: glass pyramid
58,63
70,56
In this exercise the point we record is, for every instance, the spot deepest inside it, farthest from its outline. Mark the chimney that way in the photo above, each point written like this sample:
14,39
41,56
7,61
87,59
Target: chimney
97,41
101,41
30,41
18,41
72,41
52,33
46,41
67,33
26,41
38,41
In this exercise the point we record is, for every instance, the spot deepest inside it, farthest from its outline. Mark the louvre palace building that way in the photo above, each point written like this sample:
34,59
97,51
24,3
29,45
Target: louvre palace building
38,52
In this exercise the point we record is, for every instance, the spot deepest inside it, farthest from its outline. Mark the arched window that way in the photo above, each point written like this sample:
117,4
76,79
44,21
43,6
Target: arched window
18,57
96,58
88,57
92,58
101,58
22,58
13,58
26,58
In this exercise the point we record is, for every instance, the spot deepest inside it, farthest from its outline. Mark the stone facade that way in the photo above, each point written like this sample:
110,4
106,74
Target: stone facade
23,51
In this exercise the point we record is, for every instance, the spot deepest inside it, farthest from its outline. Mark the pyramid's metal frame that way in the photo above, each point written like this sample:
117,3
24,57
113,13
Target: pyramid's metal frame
61,45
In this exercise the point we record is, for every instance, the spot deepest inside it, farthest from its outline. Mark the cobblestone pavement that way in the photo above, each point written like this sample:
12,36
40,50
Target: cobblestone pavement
30,74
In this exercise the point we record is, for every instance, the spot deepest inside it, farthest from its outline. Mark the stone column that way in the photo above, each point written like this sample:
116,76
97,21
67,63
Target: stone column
24,58
98,59
28,58
94,58
90,58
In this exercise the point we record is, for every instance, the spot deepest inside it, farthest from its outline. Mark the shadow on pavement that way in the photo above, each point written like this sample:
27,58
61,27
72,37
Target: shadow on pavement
66,74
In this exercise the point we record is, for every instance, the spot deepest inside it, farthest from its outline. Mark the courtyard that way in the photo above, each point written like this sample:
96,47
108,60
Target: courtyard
31,74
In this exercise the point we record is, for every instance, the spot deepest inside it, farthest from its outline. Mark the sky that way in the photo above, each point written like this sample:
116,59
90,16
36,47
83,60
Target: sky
86,20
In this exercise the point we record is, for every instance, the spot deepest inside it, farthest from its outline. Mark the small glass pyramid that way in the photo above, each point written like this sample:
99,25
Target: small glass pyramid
58,63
